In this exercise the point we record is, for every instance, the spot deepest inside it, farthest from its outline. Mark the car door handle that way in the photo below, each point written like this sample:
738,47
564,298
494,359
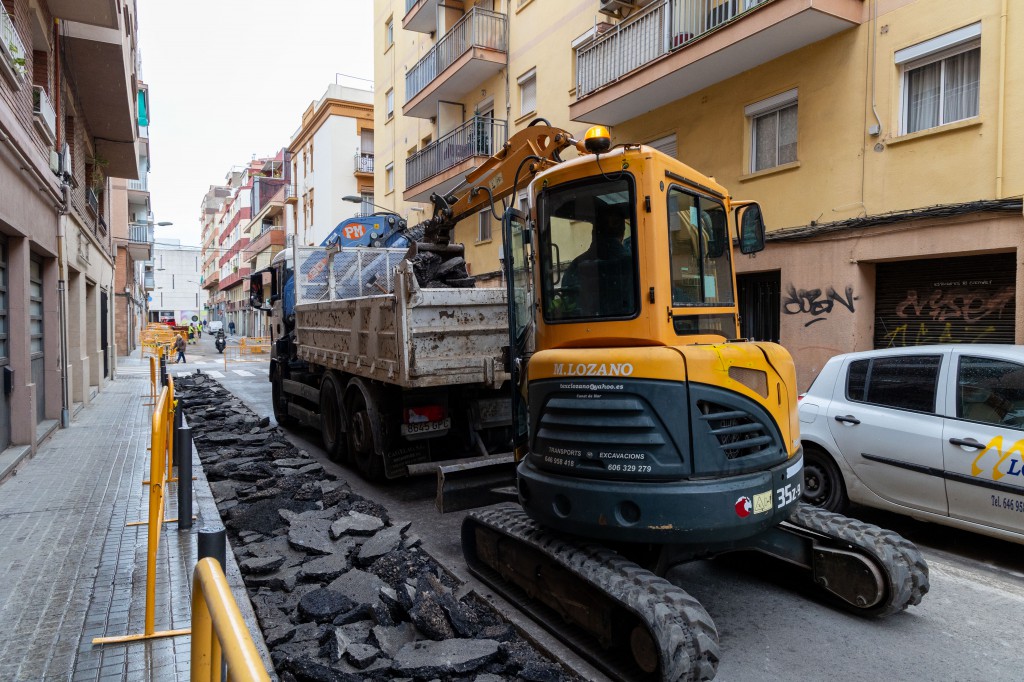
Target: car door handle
967,443
847,419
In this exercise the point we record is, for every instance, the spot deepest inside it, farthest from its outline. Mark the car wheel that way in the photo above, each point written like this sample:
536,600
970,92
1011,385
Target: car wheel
823,483
279,402
331,416
362,440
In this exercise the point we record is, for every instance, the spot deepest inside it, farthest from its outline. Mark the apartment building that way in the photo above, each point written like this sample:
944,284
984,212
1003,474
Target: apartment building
210,218
68,124
878,135
236,216
132,229
177,292
332,157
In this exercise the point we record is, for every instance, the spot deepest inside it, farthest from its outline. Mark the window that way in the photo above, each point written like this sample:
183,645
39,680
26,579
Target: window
528,92
366,208
35,305
588,269
906,382
389,99
310,157
389,177
941,79
990,391
772,131
389,33
483,229
311,207
698,248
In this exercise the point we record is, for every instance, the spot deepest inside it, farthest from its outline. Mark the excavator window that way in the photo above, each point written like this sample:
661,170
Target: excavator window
585,239
698,235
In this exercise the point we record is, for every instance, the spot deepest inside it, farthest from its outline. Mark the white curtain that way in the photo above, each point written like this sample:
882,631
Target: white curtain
960,86
923,88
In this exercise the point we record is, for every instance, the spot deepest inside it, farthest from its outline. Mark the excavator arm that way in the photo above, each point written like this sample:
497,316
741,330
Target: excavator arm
526,153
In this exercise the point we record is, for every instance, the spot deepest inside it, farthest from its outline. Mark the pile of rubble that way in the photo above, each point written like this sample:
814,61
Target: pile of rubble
341,591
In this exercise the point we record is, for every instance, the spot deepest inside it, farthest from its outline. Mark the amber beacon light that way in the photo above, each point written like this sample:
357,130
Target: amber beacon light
597,140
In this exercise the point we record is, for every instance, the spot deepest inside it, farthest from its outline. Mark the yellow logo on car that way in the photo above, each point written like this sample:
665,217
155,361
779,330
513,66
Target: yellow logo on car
996,446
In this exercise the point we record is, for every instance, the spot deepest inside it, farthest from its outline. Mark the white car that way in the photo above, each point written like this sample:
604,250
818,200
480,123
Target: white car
933,432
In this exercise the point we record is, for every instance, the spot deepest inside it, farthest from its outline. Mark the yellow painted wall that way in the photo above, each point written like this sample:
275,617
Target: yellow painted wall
841,172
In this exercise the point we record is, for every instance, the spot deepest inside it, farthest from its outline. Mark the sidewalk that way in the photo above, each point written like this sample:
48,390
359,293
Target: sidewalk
70,569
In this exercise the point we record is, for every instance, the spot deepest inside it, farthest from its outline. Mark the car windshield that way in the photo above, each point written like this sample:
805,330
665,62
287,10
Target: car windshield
585,237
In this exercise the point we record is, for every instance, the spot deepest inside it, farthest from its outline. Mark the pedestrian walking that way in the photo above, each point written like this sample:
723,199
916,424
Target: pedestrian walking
231,327
179,346
191,333
199,331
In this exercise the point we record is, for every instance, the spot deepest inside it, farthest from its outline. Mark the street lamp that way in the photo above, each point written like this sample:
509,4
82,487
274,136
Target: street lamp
353,199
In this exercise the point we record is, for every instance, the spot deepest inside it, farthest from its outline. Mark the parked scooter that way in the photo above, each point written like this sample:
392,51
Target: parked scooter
221,341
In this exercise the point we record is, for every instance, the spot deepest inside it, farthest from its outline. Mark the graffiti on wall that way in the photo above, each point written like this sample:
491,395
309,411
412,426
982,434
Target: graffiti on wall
957,311
817,303
956,300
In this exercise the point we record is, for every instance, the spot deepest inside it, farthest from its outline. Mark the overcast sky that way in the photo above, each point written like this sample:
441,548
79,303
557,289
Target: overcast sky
229,79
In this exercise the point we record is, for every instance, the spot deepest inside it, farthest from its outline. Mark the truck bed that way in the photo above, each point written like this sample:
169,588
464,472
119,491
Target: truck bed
410,337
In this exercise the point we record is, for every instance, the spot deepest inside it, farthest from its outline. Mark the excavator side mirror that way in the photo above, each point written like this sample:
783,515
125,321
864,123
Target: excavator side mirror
750,225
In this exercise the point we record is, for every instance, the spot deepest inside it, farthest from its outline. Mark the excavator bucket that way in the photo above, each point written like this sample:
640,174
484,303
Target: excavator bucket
475,482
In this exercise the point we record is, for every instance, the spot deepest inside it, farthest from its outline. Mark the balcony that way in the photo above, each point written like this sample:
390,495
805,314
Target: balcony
212,280
148,280
471,52
421,15
92,201
265,243
12,51
97,52
674,48
140,240
233,279
364,164
43,115
268,191
138,190
443,164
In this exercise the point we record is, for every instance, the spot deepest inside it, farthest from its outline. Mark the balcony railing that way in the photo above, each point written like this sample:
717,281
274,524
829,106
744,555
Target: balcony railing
43,112
478,28
479,136
140,233
140,185
12,50
364,163
659,29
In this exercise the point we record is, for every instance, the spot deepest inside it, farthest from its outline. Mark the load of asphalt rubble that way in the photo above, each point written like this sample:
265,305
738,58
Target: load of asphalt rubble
342,591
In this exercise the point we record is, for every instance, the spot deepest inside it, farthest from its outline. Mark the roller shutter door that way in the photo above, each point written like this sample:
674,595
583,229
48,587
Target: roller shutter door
946,300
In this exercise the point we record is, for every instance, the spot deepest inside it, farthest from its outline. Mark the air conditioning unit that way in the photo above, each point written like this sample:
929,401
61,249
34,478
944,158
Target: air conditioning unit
615,8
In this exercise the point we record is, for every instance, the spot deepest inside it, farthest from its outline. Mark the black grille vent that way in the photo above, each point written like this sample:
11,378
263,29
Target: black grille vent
738,434
576,422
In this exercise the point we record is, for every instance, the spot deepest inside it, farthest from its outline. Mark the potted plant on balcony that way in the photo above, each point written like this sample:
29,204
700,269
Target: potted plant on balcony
17,59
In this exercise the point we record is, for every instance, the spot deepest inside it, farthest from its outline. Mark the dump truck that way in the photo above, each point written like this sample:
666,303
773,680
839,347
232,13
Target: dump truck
396,376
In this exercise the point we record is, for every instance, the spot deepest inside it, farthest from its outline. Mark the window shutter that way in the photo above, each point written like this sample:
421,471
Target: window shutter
666,145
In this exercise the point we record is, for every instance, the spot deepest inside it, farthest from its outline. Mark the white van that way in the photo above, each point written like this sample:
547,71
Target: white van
214,326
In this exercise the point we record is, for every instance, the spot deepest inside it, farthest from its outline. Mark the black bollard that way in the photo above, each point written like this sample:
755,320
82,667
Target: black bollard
213,543
183,445
163,370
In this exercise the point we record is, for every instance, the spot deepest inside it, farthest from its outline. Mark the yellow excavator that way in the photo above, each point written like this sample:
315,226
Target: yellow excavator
648,433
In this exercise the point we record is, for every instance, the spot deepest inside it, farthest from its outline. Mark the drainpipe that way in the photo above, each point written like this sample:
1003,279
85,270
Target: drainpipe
1002,101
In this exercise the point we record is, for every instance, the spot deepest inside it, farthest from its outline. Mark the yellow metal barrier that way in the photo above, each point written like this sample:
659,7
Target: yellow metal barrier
161,443
156,339
218,630
249,349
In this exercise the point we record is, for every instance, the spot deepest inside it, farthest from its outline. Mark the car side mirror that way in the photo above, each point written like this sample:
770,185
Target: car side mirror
750,225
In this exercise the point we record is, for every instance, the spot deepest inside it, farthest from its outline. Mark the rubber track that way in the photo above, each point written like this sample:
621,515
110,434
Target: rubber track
683,630
899,559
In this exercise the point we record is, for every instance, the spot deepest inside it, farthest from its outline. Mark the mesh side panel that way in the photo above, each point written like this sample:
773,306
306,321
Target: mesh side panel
351,273
311,275
364,271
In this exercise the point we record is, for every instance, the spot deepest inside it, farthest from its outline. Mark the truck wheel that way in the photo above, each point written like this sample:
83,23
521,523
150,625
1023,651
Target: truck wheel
361,440
279,402
823,482
331,417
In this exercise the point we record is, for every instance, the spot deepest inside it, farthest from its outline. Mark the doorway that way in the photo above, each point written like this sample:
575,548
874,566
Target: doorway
759,297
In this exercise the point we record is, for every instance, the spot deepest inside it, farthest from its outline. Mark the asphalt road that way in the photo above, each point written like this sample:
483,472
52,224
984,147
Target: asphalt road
967,628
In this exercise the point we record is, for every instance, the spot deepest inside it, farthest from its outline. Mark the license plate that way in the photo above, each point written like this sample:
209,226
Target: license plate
426,427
